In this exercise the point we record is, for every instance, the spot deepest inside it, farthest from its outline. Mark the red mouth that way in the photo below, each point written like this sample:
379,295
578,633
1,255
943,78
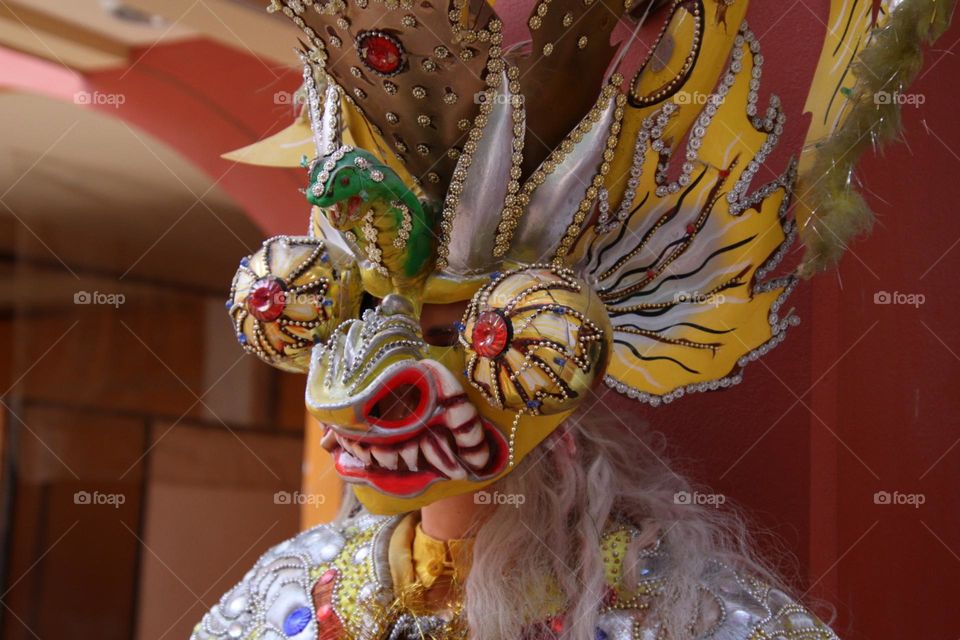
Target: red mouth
347,213
406,468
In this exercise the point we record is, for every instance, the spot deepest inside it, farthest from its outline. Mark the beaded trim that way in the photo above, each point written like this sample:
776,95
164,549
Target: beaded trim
406,224
380,336
451,201
509,220
260,346
586,330
653,127
678,80
586,205
778,323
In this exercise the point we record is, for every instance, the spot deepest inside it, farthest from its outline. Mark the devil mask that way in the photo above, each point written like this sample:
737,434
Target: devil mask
595,262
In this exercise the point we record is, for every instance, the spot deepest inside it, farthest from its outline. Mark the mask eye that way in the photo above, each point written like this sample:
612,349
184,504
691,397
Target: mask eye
536,340
441,335
368,302
287,297
440,323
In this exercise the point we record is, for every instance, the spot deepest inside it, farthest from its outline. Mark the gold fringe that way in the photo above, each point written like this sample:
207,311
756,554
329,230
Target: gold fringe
888,64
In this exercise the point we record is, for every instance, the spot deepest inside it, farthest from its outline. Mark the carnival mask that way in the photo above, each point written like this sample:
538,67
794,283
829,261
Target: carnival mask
597,260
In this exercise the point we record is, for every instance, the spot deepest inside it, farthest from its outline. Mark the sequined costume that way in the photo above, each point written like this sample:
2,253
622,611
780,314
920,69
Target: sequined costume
622,233
335,582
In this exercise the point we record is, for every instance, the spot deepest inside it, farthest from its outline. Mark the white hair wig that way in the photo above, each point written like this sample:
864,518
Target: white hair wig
592,471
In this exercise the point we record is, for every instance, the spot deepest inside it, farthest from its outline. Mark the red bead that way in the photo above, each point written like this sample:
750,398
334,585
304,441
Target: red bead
267,299
556,624
691,228
491,334
724,173
611,597
324,611
651,274
380,52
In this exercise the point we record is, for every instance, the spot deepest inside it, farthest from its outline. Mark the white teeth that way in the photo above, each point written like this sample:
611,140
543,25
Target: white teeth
410,454
449,385
348,461
478,458
437,452
388,458
459,414
469,436
356,449
329,440
363,453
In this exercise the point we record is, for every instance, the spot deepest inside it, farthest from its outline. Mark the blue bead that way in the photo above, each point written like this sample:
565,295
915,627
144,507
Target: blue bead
600,634
533,404
245,261
242,338
495,275
324,257
229,305
560,361
459,326
297,620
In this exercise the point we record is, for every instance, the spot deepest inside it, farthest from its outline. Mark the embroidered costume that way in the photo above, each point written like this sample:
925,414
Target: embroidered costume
339,582
599,229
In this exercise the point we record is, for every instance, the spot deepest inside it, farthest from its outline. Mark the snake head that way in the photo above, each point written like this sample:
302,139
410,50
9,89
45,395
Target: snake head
344,183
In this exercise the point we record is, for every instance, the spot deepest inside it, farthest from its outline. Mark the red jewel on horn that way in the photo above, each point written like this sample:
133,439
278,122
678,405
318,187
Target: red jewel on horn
381,52
491,334
267,299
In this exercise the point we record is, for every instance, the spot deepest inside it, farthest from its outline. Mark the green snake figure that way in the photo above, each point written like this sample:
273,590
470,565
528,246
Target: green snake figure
361,196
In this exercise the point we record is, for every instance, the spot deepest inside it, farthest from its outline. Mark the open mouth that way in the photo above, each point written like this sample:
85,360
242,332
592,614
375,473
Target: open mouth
347,212
474,451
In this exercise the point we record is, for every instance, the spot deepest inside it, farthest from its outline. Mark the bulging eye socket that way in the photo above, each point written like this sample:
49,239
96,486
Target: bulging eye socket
536,340
288,296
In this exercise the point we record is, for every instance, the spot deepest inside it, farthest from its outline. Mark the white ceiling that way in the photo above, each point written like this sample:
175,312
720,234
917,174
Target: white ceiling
86,193
86,35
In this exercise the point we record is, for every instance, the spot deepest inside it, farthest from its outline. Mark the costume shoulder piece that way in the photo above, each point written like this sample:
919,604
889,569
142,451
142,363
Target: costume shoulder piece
733,607
309,587
333,582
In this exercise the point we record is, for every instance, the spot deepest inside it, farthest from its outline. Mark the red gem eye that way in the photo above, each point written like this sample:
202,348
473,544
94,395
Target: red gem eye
381,53
345,182
267,299
491,334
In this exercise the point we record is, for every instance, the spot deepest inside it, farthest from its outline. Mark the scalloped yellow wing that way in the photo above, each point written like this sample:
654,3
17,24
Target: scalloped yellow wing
680,260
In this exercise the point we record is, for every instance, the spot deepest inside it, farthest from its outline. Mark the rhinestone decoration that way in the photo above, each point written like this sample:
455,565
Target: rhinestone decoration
297,620
267,299
381,53
491,334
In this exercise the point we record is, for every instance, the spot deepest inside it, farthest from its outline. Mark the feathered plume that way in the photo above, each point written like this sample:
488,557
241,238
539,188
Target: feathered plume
885,68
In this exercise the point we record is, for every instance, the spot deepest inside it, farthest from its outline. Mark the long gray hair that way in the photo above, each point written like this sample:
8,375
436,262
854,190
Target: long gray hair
591,471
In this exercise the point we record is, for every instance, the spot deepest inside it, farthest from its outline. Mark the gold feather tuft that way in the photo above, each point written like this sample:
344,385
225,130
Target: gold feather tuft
886,66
